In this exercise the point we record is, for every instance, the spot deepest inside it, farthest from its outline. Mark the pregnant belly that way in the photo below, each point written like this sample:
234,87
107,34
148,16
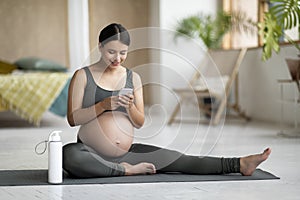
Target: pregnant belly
110,134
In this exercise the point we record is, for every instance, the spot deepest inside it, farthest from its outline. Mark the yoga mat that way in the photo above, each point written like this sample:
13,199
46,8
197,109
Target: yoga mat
39,177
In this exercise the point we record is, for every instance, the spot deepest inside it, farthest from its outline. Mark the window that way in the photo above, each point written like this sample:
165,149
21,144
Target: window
253,9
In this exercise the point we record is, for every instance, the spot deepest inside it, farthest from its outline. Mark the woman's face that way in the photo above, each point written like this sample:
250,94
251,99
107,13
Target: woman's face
114,53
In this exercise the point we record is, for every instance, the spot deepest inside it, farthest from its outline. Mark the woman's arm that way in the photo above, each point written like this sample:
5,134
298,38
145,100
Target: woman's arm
76,114
135,109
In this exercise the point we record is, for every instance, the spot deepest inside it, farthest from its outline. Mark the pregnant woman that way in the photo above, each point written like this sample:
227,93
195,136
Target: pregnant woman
107,120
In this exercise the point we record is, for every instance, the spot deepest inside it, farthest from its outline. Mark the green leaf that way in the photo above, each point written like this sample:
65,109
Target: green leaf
211,29
271,33
296,17
284,15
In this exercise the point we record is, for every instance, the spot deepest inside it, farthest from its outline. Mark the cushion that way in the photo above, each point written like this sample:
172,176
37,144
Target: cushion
33,63
6,68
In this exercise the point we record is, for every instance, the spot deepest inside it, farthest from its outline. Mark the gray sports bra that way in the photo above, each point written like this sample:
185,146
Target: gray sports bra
93,93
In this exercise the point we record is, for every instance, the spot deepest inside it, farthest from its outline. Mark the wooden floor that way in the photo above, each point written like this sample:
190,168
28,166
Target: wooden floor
235,138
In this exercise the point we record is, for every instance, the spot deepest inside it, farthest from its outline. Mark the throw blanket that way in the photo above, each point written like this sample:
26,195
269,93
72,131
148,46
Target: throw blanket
29,95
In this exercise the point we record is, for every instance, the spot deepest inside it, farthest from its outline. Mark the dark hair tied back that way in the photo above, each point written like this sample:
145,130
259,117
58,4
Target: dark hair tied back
114,32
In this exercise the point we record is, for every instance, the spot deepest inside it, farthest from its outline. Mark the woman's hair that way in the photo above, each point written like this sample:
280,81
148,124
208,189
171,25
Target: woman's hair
114,32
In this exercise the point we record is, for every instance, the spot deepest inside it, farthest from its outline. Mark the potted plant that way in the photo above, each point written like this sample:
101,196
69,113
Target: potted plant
284,15
211,29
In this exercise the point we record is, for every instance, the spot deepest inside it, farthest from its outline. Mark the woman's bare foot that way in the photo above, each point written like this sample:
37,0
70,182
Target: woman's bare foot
248,164
141,168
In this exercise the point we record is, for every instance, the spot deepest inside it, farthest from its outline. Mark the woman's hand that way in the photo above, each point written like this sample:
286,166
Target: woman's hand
110,103
126,100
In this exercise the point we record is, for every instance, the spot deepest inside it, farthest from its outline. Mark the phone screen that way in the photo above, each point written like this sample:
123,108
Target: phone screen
125,91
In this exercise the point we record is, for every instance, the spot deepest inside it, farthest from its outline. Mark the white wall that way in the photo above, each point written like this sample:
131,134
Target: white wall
177,59
259,89
171,11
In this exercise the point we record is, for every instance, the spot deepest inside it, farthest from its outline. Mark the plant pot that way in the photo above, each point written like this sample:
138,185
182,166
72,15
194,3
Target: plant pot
294,69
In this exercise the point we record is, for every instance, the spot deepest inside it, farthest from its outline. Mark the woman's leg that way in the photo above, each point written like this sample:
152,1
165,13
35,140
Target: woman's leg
204,165
166,160
79,160
173,161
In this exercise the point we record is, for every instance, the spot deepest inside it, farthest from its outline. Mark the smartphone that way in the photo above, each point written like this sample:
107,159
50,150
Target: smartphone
125,91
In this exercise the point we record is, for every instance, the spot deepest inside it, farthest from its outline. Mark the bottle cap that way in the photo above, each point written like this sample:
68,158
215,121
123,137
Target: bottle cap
54,136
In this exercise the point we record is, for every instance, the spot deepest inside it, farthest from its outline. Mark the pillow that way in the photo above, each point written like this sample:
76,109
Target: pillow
39,64
6,68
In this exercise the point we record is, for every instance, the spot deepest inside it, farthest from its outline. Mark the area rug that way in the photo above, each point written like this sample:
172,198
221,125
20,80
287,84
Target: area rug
39,177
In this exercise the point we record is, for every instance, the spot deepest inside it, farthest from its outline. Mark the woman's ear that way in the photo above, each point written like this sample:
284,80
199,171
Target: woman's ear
99,46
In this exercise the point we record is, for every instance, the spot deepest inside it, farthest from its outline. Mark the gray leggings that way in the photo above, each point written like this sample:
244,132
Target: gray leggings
81,161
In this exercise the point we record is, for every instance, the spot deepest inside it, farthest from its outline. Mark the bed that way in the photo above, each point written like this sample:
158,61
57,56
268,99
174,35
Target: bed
30,93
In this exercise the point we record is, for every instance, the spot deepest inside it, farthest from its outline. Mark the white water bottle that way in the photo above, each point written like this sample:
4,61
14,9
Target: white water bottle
55,158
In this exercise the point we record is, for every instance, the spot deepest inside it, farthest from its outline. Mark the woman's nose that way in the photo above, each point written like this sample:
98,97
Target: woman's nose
118,58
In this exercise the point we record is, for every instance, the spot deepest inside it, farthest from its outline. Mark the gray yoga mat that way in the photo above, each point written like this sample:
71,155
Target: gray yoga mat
39,177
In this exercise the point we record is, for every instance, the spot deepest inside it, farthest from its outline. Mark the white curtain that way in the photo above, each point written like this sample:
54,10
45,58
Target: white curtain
78,22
